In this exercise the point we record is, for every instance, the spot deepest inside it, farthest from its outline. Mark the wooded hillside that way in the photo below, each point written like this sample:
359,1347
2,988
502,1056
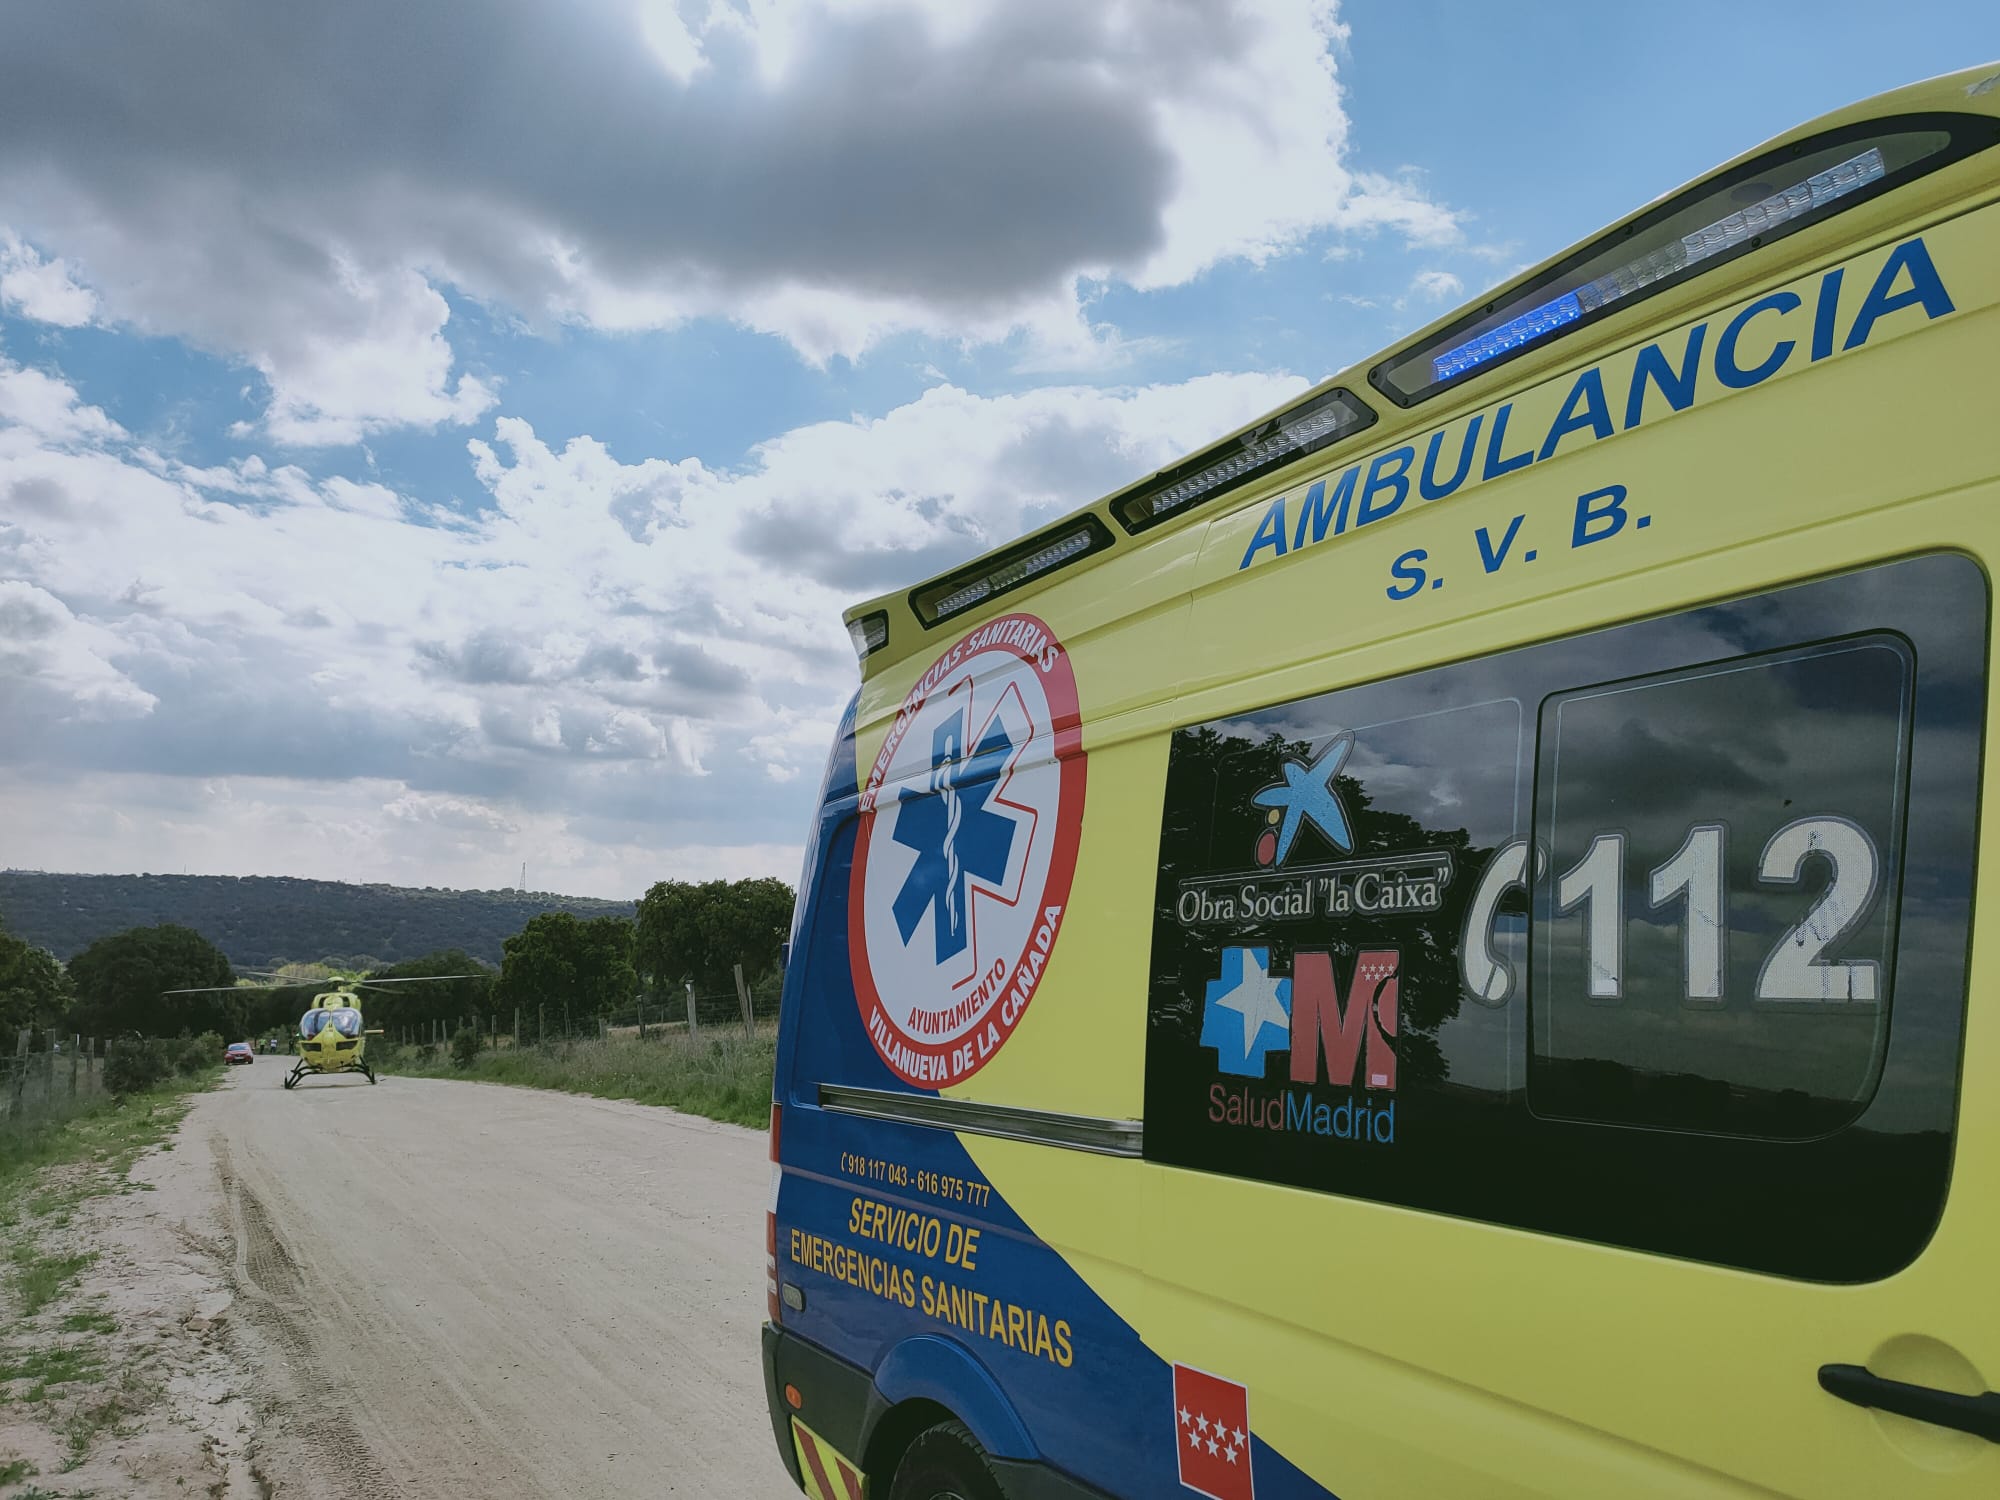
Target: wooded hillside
262,919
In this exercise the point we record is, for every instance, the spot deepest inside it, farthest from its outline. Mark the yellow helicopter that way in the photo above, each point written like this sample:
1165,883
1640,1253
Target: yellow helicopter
332,1038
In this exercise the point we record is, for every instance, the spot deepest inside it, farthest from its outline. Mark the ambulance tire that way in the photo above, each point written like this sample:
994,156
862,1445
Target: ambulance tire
945,1463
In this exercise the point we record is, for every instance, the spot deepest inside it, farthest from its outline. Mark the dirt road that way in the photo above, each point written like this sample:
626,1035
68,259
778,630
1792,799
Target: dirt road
464,1289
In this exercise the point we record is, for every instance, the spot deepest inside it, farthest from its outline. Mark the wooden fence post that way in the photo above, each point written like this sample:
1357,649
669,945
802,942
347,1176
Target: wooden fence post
642,1016
743,994
693,1024
75,1046
517,1026
20,1084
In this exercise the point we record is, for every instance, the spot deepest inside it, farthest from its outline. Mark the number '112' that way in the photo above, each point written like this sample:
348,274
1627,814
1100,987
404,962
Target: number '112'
1796,969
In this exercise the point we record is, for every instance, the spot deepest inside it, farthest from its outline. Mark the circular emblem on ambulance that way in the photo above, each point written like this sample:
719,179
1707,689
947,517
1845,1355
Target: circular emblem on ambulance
969,828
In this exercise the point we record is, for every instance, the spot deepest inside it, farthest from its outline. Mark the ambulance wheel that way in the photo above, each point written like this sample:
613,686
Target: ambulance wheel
945,1463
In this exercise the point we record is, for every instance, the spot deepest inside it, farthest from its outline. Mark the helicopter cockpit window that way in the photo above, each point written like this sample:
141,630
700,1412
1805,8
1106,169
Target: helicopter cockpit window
346,1022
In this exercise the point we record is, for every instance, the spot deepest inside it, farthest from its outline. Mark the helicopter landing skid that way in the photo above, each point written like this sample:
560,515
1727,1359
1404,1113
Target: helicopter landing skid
300,1072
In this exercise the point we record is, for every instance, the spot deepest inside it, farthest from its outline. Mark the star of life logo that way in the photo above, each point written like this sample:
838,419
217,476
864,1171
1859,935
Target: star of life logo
969,824
1212,1434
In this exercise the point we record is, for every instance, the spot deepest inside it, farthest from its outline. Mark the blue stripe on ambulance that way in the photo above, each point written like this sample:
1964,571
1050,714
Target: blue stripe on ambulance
1108,1417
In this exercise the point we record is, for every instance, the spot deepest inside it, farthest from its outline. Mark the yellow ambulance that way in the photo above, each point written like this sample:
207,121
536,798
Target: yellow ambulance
1429,949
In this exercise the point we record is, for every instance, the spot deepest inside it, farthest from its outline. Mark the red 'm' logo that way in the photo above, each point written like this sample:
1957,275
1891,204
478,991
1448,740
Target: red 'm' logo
1359,1028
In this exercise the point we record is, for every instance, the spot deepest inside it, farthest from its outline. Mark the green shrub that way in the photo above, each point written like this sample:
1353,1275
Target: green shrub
465,1045
197,1052
135,1063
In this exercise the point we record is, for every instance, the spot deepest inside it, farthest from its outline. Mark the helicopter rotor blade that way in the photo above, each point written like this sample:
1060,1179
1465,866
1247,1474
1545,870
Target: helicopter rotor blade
325,982
231,989
422,979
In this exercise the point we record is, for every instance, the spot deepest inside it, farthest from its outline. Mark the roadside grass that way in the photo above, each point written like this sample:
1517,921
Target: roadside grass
49,1165
108,1410
43,1369
99,1143
33,1126
724,1077
39,1279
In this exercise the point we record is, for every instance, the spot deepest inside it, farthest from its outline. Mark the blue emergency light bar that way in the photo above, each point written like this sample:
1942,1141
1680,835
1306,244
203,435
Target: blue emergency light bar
1711,239
1776,194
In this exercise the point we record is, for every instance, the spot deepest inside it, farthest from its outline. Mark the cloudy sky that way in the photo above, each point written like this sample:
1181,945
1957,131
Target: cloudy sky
439,436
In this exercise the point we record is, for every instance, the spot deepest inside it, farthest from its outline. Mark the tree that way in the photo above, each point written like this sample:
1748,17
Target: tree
267,1008
669,946
556,959
539,961
445,999
121,982
701,932
34,990
264,919
606,979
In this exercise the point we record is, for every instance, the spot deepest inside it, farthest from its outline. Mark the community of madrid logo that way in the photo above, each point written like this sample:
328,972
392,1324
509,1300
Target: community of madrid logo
969,824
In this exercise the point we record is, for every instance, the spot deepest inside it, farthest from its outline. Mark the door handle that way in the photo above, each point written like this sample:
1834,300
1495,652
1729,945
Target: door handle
1978,1415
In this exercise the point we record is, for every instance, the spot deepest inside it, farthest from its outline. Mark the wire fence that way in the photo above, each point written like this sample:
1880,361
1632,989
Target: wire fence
47,1078
744,1009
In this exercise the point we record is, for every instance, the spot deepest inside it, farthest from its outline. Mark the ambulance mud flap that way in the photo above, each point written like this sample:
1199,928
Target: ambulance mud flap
825,1472
836,1395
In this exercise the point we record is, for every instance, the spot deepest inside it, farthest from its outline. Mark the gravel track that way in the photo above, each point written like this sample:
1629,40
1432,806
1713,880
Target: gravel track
467,1289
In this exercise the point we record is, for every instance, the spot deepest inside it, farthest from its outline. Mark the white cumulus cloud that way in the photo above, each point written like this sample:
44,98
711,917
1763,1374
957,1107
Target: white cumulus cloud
603,660
1436,286
43,291
830,172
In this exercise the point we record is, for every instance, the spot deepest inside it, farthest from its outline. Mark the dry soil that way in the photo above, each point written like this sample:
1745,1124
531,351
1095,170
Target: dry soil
430,1288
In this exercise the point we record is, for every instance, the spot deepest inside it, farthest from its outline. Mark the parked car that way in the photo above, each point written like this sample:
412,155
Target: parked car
238,1052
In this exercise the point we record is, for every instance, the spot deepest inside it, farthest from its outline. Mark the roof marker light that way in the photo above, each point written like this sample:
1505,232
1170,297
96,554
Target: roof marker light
870,633
1306,428
1778,193
1030,560
1711,239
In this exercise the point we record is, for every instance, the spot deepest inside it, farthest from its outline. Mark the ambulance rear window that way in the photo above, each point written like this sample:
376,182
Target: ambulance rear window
1715,949
1654,936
